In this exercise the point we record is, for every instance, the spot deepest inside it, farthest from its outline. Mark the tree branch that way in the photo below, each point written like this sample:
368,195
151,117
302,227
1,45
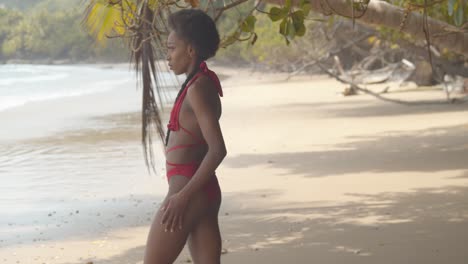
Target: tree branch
403,102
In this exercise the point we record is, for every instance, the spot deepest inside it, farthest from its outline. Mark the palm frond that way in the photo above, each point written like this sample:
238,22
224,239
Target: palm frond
103,19
141,22
144,56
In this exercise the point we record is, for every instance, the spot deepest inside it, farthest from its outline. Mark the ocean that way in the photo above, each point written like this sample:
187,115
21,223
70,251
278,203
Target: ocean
70,151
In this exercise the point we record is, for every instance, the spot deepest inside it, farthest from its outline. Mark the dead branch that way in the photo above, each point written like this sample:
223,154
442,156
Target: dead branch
386,99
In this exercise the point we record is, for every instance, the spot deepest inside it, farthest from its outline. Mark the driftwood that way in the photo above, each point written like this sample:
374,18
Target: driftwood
397,72
354,88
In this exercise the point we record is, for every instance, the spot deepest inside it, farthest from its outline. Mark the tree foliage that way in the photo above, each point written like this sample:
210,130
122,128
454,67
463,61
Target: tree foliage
51,31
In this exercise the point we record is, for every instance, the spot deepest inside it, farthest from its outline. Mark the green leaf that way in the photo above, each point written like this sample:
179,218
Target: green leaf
276,14
306,9
248,25
298,16
298,23
291,30
283,26
458,18
451,4
300,30
302,3
287,4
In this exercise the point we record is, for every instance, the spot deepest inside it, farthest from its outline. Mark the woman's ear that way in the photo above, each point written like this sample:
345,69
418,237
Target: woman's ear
191,51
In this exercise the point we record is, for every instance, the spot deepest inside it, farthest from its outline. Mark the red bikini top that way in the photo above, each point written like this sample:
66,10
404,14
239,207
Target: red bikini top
174,124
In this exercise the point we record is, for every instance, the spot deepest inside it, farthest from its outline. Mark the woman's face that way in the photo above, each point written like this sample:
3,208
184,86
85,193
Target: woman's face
180,55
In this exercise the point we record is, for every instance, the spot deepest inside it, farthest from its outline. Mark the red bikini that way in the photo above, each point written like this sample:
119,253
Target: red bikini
188,169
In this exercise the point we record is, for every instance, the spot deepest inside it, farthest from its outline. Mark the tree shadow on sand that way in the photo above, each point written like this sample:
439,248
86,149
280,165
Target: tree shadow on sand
424,226
431,150
365,107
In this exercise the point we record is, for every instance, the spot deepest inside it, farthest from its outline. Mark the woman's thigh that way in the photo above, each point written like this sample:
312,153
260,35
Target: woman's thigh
163,247
205,238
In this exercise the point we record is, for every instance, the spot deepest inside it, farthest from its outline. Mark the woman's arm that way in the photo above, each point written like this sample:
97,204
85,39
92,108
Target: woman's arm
203,98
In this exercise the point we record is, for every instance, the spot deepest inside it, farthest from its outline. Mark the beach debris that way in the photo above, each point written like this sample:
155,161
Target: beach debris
89,262
270,161
188,260
226,213
224,251
121,215
77,212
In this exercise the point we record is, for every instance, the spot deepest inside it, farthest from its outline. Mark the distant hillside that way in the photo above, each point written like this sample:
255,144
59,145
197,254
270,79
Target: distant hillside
22,4
49,4
50,30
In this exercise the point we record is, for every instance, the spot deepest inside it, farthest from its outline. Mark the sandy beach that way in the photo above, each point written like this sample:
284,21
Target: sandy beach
311,177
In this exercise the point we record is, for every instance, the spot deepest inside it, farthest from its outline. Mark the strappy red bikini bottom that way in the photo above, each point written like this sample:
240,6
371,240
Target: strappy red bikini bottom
211,189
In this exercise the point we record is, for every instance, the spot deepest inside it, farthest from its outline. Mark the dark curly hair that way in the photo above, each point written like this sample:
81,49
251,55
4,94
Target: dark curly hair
198,29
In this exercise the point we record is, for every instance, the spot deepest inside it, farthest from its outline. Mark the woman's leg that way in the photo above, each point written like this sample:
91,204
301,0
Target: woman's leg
205,239
164,247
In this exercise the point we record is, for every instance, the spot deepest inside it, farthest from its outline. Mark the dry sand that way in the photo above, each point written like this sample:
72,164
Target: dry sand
314,177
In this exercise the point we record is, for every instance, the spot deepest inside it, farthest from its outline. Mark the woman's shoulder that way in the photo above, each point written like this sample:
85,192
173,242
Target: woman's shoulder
204,83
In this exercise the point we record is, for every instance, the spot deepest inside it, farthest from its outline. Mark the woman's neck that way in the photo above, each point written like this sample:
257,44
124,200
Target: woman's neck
193,67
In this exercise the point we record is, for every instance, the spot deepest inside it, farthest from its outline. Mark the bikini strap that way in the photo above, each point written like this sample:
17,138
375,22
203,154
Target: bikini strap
174,118
212,75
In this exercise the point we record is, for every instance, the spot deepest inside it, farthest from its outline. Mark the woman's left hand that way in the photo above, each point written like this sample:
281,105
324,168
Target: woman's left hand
173,212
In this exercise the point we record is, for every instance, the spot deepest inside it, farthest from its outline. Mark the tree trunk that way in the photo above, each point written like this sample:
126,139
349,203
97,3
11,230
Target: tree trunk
380,13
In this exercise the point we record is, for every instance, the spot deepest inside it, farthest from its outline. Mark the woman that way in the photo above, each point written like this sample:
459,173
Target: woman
194,148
